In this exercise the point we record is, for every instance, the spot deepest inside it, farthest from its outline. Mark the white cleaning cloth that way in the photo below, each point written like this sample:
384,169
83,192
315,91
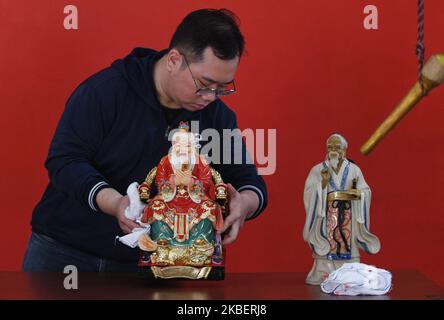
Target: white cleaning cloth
132,239
354,279
135,210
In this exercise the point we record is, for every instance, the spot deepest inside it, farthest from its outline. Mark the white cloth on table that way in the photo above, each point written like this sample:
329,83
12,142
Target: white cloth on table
354,279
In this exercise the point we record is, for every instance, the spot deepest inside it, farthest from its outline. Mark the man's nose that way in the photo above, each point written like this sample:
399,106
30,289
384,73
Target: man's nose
209,97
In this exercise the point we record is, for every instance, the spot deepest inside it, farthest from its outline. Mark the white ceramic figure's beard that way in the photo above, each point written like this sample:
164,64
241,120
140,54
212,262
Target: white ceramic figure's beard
333,159
178,161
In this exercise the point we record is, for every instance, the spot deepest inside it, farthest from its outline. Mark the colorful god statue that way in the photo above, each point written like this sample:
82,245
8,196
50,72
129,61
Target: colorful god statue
185,214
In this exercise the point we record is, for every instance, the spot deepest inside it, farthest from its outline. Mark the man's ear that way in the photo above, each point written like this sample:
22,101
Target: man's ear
174,60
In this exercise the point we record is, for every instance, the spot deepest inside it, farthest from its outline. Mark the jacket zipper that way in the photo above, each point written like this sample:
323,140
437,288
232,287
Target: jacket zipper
167,132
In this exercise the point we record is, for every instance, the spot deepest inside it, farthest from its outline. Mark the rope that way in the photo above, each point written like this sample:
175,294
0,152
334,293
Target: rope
420,49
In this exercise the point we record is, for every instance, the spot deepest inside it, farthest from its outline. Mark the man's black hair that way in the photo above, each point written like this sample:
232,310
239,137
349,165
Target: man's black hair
214,28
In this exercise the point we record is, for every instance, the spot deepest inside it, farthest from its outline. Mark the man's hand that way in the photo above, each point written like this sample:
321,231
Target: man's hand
113,203
127,225
241,205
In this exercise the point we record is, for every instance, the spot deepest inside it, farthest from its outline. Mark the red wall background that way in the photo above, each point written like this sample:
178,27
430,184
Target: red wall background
310,69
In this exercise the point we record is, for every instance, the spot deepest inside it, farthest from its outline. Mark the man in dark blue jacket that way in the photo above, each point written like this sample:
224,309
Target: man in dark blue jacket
115,129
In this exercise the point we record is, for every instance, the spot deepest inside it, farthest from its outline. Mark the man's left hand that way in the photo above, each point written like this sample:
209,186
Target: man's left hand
242,204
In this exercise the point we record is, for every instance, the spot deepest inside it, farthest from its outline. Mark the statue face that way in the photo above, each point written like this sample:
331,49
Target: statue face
183,151
335,149
183,144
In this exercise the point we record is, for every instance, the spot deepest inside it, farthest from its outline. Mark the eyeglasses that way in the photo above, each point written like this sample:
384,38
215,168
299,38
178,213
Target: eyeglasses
218,92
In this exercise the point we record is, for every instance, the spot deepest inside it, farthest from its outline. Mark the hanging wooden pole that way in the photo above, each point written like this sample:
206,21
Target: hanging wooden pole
430,76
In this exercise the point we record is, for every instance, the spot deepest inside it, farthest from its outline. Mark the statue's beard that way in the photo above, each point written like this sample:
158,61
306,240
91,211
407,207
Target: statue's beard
177,162
333,159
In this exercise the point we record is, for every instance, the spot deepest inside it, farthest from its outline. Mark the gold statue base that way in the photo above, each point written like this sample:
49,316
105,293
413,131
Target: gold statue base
206,271
187,272
183,272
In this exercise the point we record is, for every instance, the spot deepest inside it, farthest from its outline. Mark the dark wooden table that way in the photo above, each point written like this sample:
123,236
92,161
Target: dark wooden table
408,285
